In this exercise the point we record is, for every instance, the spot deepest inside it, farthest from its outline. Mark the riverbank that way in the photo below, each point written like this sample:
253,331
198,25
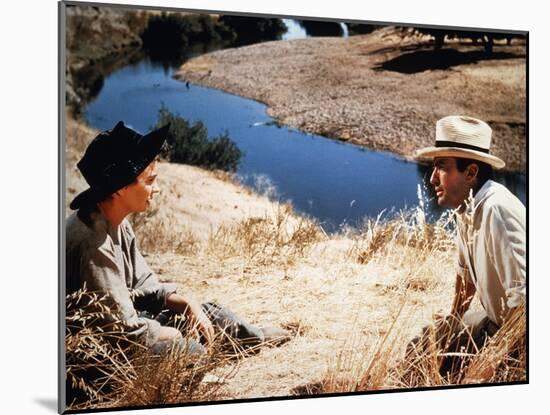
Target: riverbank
384,90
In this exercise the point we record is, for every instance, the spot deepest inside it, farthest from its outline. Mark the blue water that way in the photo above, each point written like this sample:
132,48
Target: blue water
332,181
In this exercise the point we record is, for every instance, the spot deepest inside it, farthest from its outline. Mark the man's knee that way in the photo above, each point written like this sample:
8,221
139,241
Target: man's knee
180,345
480,326
169,334
232,326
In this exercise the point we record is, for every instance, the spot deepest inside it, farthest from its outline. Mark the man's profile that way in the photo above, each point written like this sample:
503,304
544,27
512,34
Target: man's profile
102,253
490,236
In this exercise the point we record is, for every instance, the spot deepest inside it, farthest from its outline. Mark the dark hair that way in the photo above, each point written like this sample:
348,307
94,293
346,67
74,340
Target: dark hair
485,171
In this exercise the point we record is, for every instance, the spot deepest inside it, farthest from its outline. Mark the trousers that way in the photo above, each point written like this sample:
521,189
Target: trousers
235,333
458,340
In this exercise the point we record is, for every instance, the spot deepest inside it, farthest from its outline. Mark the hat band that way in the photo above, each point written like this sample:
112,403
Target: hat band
441,143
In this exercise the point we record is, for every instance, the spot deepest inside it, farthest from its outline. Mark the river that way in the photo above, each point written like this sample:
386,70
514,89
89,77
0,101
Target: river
336,183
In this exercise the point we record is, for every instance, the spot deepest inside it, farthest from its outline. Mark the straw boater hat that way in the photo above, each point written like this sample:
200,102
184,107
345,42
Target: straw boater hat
114,159
461,136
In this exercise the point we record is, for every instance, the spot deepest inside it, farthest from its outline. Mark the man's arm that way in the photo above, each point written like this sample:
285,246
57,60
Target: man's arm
148,292
506,246
194,314
464,293
102,272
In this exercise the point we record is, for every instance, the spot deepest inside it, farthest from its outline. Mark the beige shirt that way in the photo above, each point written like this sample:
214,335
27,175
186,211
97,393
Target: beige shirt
108,261
491,249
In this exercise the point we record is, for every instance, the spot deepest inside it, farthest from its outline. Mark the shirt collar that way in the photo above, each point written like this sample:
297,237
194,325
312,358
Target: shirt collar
99,223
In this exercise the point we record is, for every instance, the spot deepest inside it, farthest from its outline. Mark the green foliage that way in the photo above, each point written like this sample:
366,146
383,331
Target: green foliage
321,28
189,144
247,28
361,28
168,34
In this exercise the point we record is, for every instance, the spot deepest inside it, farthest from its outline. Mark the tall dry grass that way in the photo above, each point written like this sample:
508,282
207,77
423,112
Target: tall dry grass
504,358
106,370
408,241
378,364
278,237
158,229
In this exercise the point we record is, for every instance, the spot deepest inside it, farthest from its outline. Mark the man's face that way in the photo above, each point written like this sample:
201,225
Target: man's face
451,186
137,196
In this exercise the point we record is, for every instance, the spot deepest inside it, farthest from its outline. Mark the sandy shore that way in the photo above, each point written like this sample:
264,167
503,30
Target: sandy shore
358,90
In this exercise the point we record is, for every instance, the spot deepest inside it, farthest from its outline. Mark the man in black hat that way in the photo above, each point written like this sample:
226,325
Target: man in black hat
102,253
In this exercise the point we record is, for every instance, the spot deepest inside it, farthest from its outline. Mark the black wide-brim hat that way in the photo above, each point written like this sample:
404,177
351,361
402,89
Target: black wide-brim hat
114,159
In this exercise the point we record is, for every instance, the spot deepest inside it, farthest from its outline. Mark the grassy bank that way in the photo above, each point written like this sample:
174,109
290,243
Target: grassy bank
351,300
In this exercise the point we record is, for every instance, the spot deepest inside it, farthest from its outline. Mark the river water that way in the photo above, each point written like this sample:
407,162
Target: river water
335,182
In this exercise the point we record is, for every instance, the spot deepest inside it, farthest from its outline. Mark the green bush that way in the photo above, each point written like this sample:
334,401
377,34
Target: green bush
253,29
361,28
170,34
189,144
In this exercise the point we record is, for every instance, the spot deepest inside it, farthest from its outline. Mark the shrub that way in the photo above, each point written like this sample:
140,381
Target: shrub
189,144
321,28
361,28
254,28
170,34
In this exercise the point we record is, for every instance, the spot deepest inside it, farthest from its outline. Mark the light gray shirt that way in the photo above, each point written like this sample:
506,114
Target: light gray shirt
107,260
491,249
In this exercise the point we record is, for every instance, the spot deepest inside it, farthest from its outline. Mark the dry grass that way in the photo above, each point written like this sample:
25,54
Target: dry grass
351,300
406,241
158,230
505,356
377,364
105,370
409,228
378,360
276,238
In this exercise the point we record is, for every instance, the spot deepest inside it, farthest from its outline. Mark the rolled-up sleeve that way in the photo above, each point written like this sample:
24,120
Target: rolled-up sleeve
148,292
101,270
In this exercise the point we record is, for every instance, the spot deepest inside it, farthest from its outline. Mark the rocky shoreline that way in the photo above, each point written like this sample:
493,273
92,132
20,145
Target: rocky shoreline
384,90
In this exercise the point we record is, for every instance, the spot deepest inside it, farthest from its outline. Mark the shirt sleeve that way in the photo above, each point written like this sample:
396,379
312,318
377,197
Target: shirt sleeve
461,264
102,271
148,292
506,247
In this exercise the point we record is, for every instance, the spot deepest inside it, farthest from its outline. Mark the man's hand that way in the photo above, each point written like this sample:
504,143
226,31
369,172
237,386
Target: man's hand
199,323
202,324
464,293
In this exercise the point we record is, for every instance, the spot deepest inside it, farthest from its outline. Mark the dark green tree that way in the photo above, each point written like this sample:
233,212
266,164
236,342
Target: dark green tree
189,144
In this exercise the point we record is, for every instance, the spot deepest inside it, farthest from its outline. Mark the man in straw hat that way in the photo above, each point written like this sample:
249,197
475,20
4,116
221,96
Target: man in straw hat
102,254
491,235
